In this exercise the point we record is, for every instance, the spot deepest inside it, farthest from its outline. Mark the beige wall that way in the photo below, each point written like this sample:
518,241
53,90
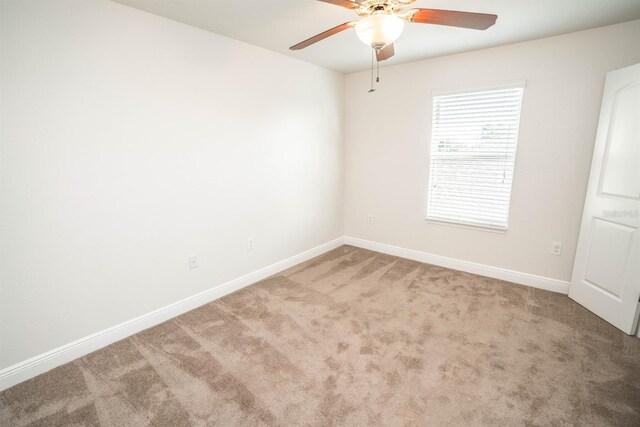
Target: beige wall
128,143
388,133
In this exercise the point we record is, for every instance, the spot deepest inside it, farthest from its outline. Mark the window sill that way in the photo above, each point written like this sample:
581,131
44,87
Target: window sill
468,226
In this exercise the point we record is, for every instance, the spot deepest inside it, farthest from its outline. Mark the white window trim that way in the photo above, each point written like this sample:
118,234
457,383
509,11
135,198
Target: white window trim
459,224
476,227
444,92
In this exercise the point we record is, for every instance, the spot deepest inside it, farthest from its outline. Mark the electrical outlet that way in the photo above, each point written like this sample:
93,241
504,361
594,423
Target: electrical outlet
251,244
370,219
193,262
556,248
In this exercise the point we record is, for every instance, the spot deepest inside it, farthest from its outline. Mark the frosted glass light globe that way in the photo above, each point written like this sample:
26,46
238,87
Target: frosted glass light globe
380,30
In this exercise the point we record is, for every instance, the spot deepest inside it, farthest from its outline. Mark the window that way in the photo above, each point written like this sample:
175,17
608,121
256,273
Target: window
473,152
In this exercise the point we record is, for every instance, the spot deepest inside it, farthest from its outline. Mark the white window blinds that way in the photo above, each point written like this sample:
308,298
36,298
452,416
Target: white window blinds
473,151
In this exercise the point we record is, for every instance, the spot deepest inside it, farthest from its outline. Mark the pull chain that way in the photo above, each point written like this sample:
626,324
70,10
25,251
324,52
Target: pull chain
373,52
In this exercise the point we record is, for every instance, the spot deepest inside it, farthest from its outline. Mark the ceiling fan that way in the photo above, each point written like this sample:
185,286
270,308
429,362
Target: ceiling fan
382,22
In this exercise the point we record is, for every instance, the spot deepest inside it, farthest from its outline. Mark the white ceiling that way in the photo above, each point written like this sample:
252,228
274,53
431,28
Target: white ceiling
278,24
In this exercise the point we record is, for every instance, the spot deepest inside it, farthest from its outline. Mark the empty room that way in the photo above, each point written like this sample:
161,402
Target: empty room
319,213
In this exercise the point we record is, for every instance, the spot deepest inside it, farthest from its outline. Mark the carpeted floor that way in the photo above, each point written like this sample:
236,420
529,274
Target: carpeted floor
353,338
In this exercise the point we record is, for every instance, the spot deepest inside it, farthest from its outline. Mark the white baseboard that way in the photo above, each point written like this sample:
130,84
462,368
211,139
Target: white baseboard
461,265
37,365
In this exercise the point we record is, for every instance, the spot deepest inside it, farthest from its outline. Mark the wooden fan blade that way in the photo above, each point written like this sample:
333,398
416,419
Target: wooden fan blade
322,36
344,3
476,21
385,53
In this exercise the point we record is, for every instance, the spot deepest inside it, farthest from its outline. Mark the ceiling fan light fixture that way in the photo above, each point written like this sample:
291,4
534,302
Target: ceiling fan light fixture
379,30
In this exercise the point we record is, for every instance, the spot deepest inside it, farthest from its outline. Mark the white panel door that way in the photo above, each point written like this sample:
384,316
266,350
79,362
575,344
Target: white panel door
606,274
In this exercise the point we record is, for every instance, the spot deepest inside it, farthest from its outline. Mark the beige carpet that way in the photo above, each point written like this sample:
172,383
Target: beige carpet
353,338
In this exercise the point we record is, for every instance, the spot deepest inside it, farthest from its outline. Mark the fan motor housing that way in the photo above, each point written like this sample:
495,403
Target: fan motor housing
370,7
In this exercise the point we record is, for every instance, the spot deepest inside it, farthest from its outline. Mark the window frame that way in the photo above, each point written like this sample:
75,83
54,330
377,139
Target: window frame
460,91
